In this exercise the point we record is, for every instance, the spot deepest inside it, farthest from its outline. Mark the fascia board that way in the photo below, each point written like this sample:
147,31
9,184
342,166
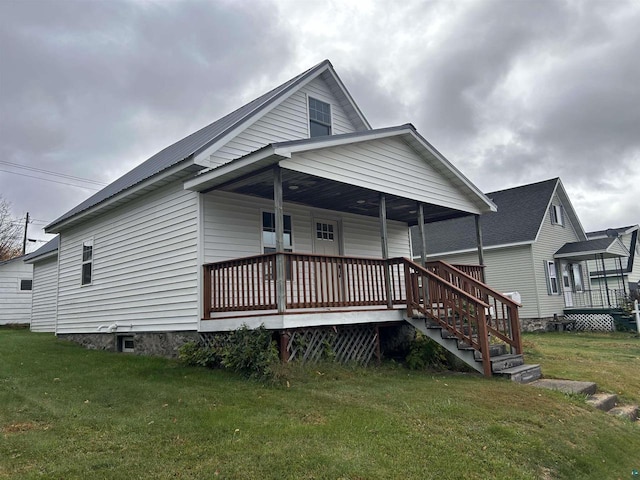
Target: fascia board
200,157
330,142
546,210
200,182
350,98
56,228
42,257
471,250
447,164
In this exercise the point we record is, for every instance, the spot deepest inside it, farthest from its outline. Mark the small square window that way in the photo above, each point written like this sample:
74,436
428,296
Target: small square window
126,344
26,285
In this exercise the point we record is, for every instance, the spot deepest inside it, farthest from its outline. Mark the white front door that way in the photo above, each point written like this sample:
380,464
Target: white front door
326,239
329,275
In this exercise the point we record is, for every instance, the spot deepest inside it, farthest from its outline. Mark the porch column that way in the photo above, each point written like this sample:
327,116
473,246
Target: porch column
423,237
624,286
385,247
479,244
279,220
606,284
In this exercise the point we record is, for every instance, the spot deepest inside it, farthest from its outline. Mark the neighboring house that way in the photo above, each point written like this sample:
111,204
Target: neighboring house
287,212
534,245
15,291
44,262
621,274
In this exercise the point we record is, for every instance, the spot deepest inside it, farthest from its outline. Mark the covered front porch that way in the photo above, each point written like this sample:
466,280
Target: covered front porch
334,242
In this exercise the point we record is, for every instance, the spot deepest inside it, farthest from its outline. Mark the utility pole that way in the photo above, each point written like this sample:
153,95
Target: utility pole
24,241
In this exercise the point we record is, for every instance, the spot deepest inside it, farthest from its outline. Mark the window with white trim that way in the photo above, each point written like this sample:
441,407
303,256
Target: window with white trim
319,118
557,215
87,262
269,233
552,278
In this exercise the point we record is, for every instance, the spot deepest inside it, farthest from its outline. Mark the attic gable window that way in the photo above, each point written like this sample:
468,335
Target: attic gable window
319,118
557,215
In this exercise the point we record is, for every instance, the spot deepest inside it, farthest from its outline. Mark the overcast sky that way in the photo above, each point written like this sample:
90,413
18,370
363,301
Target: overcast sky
511,92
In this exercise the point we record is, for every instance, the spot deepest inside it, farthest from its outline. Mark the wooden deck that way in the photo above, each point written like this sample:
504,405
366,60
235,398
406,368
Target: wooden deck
454,299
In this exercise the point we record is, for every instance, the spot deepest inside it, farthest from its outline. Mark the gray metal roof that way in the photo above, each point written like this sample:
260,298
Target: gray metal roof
518,219
49,247
192,144
21,257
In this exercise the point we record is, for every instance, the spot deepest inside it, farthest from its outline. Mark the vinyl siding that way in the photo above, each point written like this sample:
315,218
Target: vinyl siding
144,267
550,239
233,226
15,305
287,121
45,289
507,270
382,165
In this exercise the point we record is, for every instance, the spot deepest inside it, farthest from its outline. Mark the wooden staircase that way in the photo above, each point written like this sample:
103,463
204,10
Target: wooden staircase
468,318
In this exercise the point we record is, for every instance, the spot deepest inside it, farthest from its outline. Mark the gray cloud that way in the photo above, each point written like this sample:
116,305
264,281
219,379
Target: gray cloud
511,92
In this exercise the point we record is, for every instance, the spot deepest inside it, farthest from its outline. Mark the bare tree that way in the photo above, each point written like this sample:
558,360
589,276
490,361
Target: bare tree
10,232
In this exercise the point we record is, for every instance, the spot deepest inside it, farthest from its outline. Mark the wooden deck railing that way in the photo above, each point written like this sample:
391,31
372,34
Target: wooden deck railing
312,281
454,298
502,316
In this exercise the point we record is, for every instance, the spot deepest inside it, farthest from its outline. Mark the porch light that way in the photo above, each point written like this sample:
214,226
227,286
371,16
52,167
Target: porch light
412,211
293,187
360,202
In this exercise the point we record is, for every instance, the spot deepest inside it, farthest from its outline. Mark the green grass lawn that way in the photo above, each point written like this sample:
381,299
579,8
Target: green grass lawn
66,412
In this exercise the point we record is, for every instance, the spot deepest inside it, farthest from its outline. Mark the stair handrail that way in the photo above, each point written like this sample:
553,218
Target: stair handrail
512,305
482,342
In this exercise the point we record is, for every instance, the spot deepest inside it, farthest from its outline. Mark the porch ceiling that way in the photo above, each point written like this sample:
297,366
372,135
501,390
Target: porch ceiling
313,191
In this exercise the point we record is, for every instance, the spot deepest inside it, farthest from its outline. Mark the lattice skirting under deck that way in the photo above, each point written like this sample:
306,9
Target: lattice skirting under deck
343,344
592,322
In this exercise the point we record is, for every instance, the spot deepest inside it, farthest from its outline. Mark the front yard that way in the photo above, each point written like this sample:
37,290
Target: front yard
66,412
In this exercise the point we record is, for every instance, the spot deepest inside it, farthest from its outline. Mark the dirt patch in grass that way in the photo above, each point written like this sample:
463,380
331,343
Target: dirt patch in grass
22,427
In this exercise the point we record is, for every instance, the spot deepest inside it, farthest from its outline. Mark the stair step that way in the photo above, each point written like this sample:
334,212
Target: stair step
566,386
495,350
603,401
522,373
503,362
626,411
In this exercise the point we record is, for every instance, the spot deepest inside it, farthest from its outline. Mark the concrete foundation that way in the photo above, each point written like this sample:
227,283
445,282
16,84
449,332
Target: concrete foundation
537,325
160,344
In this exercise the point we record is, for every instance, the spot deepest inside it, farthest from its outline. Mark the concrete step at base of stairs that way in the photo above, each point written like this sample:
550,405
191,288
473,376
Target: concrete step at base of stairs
625,411
522,373
603,401
566,386
502,362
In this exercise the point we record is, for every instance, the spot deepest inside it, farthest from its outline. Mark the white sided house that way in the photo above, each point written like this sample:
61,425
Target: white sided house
44,262
290,212
533,245
15,291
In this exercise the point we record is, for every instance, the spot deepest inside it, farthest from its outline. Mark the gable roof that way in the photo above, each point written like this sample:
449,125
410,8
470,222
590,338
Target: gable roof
608,247
44,251
191,145
14,259
521,211
613,232
276,152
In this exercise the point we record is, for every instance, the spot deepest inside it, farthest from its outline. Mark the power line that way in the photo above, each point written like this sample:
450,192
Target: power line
48,172
51,180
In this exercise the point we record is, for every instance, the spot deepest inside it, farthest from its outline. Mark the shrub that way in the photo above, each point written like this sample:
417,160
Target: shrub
425,353
250,352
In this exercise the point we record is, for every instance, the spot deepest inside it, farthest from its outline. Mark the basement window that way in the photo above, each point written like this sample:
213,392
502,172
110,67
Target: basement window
126,344
319,118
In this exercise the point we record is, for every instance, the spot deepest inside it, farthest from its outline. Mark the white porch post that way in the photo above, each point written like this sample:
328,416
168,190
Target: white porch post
385,247
423,237
279,221
479,244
